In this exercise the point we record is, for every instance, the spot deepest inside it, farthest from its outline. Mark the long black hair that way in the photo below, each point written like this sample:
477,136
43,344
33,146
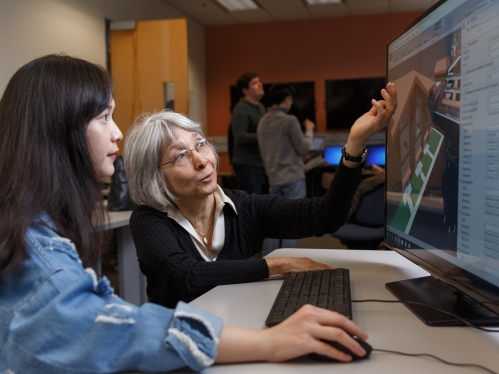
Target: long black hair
45,161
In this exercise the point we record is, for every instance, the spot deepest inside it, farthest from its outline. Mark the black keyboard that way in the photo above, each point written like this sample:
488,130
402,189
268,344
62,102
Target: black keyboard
328,289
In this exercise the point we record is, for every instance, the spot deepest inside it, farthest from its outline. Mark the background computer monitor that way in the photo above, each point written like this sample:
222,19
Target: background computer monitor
376,155
442,172
348,99
317,143
303,99
332,154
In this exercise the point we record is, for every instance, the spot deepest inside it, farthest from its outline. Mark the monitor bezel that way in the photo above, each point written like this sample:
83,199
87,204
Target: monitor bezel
480,290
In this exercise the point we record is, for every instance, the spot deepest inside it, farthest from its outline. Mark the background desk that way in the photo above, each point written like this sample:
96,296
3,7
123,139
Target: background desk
389,326
132,281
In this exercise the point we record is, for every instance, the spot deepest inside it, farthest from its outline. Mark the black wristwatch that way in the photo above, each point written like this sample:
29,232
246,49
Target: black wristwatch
360,159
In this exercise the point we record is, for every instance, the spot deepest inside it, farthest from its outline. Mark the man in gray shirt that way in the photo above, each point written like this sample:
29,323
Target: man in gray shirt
282,144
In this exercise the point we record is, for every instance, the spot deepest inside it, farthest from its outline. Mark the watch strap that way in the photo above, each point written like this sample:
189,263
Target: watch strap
359,159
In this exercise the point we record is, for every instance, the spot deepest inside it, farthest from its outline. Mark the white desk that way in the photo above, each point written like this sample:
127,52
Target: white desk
132,281
389,326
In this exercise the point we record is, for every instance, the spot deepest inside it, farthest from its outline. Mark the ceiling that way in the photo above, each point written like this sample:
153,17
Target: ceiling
210,13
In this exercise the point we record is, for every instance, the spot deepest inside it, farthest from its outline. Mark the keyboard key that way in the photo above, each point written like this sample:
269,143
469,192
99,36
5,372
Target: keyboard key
329,289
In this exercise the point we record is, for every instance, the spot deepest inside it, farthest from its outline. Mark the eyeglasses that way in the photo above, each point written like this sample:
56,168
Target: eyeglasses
184,157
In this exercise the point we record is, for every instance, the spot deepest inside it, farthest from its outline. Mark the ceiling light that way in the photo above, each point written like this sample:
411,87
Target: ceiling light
318,2
238,5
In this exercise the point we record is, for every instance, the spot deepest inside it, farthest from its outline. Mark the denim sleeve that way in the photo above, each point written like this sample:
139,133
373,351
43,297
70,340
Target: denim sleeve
85,328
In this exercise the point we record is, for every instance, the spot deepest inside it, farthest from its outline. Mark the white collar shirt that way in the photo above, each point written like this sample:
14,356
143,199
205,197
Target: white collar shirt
218,238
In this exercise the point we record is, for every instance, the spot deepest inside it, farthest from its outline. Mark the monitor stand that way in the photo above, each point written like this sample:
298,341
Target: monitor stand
428,290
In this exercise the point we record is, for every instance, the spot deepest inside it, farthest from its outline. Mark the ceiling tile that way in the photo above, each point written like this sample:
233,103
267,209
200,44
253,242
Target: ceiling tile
273,4
327,11
409,5
373,2
210,13
362,7
210,19
196,6
285,14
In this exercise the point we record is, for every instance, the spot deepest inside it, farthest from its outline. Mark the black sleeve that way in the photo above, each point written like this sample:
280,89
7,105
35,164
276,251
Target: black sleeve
174,268
300,218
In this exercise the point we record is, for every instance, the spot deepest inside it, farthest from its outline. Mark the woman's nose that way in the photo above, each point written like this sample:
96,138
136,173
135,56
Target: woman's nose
116,133
198,159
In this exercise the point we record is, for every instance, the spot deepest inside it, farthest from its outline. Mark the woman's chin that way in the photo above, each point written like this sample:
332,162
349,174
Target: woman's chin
212,187
105,172
208,188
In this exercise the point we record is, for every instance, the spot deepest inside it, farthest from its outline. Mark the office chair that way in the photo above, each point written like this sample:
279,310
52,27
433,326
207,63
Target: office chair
366,231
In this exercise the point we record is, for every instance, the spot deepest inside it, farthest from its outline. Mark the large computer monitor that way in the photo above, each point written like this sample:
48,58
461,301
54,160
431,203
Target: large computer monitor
442,172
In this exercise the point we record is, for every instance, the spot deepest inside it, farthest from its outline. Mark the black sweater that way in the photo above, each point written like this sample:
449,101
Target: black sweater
176,271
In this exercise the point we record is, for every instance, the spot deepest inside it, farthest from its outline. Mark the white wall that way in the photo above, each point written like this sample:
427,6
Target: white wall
33,28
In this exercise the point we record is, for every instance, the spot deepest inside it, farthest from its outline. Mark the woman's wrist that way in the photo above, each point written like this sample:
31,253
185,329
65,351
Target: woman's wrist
277,265
354,148
243,345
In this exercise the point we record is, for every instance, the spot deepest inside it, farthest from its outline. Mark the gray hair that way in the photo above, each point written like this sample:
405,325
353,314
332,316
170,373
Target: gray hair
146,140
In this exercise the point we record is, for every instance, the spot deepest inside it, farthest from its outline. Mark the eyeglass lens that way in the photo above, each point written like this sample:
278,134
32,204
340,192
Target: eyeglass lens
183,157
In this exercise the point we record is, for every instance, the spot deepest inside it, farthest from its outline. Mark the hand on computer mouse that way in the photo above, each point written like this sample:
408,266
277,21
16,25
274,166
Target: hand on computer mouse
307,330
367,347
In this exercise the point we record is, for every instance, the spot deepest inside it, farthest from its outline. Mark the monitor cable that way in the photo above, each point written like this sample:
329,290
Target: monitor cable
427,354
436,358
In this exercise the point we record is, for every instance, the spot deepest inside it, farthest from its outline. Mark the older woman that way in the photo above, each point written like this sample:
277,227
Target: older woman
191,235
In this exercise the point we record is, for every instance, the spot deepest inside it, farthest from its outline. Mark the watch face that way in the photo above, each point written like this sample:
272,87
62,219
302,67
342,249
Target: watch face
364,154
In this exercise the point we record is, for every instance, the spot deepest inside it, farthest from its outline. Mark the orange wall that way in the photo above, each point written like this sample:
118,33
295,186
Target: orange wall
310,50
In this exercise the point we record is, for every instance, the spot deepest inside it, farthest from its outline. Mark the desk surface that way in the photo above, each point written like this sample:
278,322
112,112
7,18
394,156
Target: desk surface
389,326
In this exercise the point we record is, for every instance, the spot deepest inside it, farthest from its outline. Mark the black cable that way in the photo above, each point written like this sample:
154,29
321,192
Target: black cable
429,306
436,358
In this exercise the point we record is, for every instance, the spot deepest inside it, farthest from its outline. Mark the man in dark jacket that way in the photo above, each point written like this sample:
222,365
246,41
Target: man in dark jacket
246,160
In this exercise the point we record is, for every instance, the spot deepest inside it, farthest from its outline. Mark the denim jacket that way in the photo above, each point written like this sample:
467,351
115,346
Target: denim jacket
56,317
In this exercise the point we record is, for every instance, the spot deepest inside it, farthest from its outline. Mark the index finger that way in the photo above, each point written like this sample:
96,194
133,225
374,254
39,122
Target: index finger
392,95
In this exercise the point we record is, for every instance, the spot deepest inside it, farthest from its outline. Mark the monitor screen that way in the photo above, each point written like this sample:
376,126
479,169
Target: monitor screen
442,172
332,154
317,142
376,155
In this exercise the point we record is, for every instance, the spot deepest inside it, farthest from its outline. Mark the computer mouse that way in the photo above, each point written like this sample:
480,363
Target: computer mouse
340,347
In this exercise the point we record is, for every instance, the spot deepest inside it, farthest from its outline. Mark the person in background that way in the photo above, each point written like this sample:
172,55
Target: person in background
282,144
57,138
246,159
191,235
